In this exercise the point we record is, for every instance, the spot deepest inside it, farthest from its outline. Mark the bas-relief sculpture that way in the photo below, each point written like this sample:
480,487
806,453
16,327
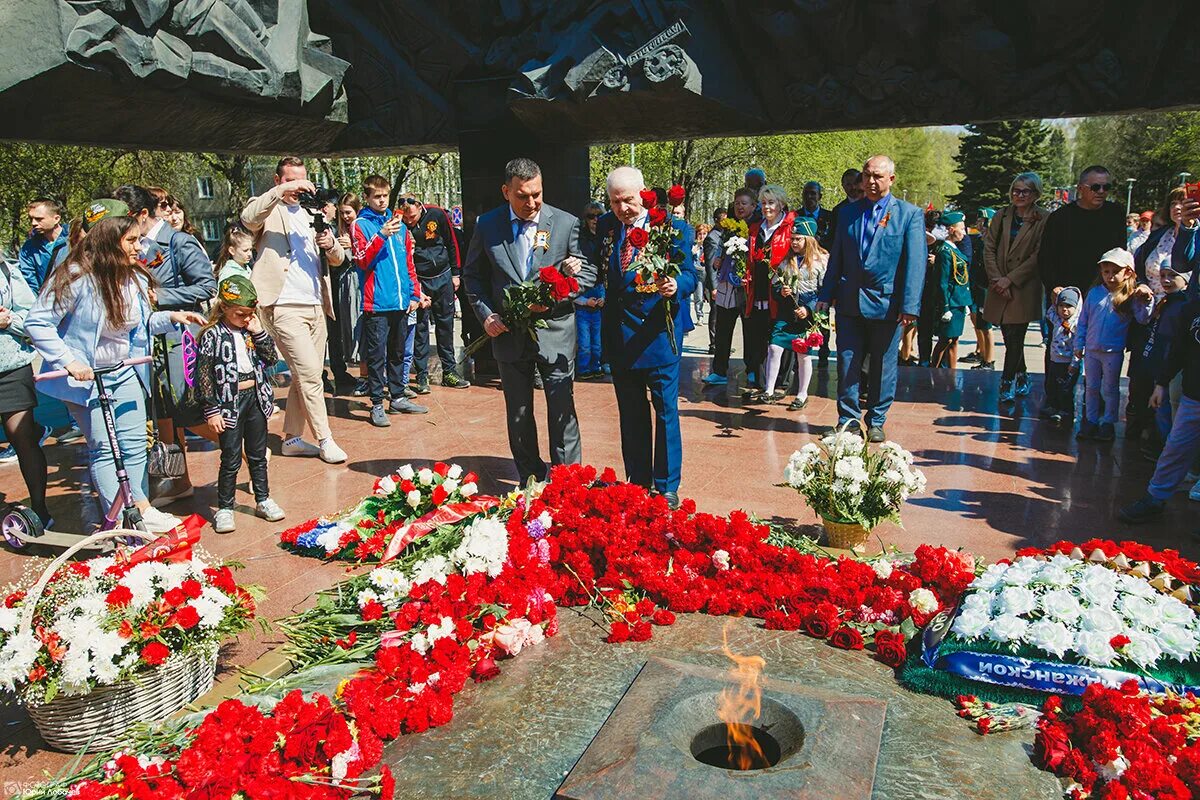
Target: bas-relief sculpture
365,75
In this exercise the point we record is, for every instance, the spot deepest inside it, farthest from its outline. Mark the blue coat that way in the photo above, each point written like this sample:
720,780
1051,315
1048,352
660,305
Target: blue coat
1187,255
64,333
890,282
633,326
38,256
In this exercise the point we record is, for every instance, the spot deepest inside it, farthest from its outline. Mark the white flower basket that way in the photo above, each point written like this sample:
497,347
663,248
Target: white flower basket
100,719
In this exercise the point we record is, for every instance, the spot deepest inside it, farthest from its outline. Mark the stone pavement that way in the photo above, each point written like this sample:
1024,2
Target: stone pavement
997,480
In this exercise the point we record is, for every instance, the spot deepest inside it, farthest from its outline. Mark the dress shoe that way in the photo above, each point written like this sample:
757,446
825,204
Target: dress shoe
875,434
797,404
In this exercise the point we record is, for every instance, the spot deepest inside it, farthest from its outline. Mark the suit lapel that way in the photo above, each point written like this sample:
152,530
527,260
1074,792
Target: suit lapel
880,230
856,229
508,238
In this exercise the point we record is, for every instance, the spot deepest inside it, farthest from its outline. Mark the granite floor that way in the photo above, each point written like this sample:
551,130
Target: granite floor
999,479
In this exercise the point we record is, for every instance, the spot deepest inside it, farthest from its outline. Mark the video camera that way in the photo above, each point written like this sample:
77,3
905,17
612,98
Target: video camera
314,203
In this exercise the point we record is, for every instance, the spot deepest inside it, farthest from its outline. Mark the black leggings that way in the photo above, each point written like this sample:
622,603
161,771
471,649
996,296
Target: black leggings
1014,349
23,434
249,432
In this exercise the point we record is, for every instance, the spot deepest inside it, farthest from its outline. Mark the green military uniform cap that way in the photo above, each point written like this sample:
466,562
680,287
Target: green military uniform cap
952,217
236,290
805,226
987,213
103,209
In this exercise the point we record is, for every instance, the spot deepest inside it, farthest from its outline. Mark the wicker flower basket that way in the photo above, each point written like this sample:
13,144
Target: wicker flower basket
100,719
846,535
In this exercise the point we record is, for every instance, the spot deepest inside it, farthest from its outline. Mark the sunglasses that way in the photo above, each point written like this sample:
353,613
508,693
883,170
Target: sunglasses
592,215
163,204
1099,187
409,201
1022,192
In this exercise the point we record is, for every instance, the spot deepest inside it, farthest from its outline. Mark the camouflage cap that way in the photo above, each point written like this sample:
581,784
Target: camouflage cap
102,209
238,291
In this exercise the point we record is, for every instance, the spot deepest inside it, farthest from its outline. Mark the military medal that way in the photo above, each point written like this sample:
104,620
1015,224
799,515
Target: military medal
541,239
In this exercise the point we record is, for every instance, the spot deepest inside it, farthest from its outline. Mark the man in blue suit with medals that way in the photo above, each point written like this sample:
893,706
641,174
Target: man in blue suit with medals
874,281
643,350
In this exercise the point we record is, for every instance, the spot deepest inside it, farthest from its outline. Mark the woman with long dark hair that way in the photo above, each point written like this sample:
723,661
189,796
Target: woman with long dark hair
96,312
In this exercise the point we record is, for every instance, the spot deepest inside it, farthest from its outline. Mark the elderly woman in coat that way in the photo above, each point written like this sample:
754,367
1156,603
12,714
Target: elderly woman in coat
1014,295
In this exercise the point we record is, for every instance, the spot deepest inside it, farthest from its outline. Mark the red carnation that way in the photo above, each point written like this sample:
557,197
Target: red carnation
187,618
663,617
175,597
846,638
372,610
120,596
658,216
639,238
155,653
641,632
1118,641
891,648
387,784
620,632
649,198
645,606
192,588
676,195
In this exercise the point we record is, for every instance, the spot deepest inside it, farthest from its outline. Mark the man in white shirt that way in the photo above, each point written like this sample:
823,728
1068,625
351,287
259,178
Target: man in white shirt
294,298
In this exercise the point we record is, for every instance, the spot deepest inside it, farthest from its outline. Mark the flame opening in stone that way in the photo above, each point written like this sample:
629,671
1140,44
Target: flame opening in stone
740,706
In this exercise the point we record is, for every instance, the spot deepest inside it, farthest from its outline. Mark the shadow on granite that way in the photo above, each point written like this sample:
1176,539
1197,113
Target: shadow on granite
519,735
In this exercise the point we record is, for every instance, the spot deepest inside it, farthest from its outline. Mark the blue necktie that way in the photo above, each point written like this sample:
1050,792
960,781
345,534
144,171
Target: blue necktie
870,225
524,251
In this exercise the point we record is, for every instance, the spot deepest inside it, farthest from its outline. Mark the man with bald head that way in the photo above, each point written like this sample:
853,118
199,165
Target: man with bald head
874,281
638,341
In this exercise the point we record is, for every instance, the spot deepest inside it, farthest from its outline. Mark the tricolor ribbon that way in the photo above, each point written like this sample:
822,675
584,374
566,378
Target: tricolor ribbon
445,515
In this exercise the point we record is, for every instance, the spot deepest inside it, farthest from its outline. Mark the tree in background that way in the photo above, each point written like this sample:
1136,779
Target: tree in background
1154,148
993,153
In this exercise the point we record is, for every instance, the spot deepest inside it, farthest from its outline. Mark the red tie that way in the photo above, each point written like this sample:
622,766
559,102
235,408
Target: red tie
627,250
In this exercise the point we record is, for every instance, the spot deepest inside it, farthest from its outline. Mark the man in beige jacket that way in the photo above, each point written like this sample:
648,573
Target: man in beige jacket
292,282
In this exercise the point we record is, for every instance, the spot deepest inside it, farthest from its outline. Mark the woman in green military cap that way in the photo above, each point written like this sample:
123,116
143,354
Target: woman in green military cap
953,270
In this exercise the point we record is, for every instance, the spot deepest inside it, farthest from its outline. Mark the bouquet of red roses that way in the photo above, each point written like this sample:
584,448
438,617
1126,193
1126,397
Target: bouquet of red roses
658,256
802,344
520,299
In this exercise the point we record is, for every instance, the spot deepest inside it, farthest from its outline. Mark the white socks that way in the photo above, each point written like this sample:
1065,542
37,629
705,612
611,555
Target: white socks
804,368
774,355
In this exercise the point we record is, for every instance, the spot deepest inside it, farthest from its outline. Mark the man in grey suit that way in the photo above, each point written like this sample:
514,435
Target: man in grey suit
511,243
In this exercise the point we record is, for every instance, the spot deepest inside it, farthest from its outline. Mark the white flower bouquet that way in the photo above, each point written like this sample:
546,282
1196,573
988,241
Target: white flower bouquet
844,481
99,622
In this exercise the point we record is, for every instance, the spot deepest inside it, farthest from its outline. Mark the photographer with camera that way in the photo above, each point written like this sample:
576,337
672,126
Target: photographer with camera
291,277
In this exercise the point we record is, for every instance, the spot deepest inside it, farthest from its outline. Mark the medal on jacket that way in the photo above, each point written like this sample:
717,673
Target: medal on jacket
541,239
153,262
430,230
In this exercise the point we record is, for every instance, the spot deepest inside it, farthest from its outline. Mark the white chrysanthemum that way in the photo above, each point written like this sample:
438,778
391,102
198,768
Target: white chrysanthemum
366,596
1053,637
1094,646
211,605
9,618
17,657
484,547
434,568
75,669
1017,600
140,582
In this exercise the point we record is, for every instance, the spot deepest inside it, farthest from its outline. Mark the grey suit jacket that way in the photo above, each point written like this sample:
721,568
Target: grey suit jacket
181,269
491,266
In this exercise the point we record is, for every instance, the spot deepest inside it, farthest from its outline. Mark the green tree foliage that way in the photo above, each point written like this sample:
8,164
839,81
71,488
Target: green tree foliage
712,169
994,153
1153,148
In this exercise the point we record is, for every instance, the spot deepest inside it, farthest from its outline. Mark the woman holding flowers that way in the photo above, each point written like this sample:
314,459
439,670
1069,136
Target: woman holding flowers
794,289
770,243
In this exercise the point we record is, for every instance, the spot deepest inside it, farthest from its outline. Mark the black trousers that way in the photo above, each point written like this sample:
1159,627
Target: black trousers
248,435
756,335
340,333
472,329
1014,350
1060,387
558,381
384,333
441,312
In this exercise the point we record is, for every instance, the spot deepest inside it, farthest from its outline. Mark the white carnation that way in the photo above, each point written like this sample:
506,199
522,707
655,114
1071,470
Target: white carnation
484,547
923,600
720,559
883,568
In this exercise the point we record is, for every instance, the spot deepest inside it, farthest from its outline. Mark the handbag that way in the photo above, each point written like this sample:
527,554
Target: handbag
164,459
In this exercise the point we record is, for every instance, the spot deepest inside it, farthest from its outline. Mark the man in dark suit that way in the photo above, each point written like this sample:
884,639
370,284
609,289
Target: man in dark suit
874,281
713,251
638,341
823,217
510,244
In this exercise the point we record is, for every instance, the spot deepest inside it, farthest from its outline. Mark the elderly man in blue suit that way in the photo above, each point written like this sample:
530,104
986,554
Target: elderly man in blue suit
637,343
874,281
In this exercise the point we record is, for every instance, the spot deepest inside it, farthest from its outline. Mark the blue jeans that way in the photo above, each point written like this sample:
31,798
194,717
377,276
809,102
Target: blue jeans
652,458
587,332
1179,453
129,418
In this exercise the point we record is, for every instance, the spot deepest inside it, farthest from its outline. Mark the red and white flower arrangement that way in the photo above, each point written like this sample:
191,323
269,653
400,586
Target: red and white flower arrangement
99,622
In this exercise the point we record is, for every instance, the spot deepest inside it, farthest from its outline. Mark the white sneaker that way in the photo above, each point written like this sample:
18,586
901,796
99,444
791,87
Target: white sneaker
224,522
159,522
331,453
270,511
1194,494
299,448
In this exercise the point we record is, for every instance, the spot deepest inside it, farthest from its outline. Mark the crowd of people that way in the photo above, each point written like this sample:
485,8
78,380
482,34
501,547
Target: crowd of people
326,283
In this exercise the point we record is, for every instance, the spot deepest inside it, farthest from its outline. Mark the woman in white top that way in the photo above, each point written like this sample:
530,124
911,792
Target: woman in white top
96,313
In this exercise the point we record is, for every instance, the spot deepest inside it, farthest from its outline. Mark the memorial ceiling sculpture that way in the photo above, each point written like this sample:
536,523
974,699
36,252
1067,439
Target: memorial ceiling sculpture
352,76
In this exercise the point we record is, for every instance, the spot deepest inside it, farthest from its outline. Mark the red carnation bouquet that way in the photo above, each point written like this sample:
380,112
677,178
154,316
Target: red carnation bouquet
521,299
658,256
